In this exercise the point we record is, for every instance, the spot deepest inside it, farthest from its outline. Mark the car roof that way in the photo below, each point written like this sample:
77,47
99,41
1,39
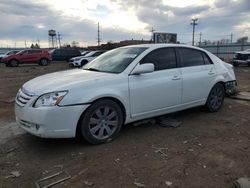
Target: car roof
155,46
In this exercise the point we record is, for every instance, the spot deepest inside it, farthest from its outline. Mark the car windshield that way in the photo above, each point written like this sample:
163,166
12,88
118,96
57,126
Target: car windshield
89,54
10,52
84,53
115,61
22,51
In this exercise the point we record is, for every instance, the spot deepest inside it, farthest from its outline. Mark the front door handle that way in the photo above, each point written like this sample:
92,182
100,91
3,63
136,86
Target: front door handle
211,72
176,78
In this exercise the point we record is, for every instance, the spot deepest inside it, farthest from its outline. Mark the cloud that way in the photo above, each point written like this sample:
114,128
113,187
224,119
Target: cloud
119,19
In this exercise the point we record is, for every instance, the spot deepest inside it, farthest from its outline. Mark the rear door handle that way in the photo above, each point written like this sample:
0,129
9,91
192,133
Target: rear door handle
176,78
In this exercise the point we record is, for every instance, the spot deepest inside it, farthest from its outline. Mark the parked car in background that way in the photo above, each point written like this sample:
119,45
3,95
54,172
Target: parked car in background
42,57
64,54
242,57
84,53
123,85
82,60
8,53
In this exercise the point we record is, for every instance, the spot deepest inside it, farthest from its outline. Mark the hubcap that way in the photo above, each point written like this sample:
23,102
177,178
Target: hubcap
216,98
44,61
103,122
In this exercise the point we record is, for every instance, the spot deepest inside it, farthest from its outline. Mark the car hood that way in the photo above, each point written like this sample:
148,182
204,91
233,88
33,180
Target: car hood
63,80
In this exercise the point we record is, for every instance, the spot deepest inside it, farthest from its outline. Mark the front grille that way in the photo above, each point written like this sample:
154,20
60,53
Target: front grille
22,98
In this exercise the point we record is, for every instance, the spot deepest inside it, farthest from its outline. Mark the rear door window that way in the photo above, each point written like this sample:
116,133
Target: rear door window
190,57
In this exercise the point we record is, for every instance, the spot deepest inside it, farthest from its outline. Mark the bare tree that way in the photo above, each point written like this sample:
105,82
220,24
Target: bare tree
242,39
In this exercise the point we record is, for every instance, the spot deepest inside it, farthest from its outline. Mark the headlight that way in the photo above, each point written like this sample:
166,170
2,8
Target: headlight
50,99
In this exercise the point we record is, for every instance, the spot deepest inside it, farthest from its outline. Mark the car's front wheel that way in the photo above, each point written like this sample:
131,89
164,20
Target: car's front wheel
215,98
101,122
84,62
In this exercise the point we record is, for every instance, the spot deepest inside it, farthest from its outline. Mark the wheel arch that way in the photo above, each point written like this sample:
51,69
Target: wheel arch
121,105
219,81
14,59
44,58
84,61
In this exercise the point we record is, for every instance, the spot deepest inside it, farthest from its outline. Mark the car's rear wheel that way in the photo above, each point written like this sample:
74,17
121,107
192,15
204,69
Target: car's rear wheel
13,63
101,122
44,62
216,98
84,62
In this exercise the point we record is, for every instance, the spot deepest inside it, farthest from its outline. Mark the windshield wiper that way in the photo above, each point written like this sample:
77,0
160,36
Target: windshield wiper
92,69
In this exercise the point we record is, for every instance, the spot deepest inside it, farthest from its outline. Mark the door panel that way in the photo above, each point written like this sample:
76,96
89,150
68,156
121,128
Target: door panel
154,91
198,74
197,82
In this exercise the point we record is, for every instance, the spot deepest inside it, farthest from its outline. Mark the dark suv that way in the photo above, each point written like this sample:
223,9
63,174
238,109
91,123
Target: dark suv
64,54
42,57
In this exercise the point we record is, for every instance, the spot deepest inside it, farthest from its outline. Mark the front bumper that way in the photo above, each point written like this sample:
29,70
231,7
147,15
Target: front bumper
244,62
231,87
75,63
49,122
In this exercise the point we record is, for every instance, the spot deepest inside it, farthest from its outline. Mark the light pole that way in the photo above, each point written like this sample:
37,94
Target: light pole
193,23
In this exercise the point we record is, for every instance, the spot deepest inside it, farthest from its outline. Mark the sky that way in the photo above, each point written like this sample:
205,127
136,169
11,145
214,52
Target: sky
76,20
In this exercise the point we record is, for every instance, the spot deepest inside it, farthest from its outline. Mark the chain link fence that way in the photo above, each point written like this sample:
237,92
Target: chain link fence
225,51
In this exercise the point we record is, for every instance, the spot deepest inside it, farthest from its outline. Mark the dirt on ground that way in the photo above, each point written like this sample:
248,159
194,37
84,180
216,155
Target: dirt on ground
208,150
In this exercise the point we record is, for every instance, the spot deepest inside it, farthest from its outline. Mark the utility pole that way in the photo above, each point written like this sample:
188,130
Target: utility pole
231,38
59,39
152,31
98,35
25,43
193,23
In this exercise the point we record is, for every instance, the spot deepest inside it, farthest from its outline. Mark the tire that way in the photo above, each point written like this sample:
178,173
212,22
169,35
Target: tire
43,62
13,63
101,122
84,62
215,98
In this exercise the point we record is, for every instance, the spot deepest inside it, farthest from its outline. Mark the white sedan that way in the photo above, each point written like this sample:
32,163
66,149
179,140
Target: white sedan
122,86
82,60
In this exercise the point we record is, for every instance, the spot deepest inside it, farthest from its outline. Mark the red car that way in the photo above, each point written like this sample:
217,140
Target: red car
42,57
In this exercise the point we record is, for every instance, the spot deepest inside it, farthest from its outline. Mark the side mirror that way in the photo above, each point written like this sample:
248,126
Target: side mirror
143,68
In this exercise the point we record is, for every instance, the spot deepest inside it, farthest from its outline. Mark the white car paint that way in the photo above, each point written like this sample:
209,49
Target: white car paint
142,96
77,61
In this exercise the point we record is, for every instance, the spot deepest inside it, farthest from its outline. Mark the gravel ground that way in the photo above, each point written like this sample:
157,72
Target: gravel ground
207,150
